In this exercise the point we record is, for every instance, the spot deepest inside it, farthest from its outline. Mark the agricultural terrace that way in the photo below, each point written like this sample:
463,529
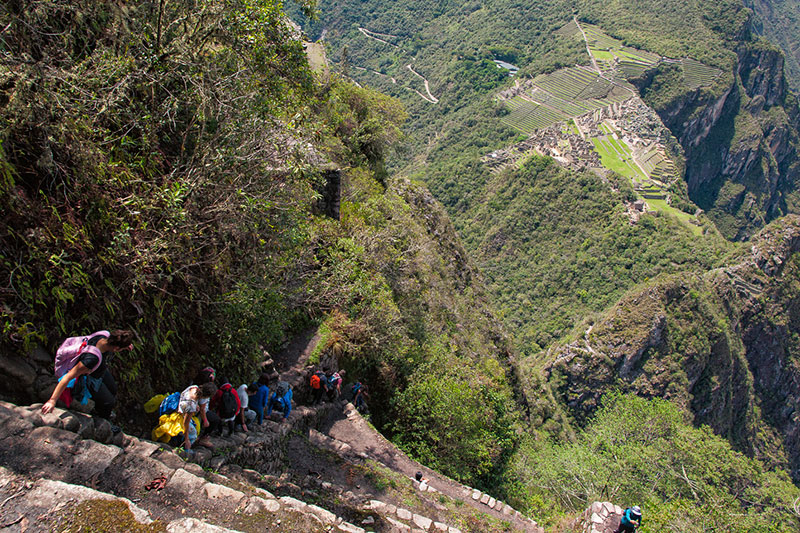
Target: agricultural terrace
557,97
613,58
697,74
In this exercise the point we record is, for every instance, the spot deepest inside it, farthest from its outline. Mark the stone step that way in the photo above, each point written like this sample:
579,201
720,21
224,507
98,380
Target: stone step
92,470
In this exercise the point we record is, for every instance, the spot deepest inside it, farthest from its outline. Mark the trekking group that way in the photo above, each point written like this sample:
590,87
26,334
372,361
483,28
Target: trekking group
206,407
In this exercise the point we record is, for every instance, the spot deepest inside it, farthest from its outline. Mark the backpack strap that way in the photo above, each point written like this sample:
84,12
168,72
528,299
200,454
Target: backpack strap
96,351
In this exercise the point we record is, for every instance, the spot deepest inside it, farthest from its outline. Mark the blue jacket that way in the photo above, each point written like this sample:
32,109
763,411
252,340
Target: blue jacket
258,401
286,403
628,518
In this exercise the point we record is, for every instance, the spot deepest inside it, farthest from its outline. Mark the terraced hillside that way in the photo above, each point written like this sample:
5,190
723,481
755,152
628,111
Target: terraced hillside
557,97
614,59
599,104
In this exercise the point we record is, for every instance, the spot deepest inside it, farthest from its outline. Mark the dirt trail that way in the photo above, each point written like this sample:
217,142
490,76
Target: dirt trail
588,50
291,361
372,34
430,98
364,439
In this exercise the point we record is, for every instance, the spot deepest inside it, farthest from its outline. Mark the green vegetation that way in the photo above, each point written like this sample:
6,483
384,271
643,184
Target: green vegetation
171,192
104,516
644,452
556,247
779,22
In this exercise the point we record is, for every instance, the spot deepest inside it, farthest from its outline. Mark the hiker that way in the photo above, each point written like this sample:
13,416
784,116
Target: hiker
259,395
423,481
175,425
227,405
212,424
319,386
335,384
359,395
281,399
88,356
246,415
631,519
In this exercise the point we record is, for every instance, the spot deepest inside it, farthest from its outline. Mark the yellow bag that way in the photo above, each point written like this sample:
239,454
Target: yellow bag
171,425
154,403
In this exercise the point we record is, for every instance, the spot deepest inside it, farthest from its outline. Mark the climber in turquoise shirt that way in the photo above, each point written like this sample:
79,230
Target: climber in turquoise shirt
631,519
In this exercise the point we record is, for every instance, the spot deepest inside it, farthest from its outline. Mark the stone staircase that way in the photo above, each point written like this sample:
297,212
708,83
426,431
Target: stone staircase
65,468
53,469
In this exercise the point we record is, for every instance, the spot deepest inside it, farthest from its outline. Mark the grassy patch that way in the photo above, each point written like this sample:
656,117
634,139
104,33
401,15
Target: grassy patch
104,516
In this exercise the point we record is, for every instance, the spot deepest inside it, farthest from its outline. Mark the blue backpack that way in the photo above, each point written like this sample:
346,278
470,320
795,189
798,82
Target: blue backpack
169,404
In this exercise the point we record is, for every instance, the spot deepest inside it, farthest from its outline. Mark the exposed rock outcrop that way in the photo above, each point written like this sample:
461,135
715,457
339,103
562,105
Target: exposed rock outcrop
740,141
722,344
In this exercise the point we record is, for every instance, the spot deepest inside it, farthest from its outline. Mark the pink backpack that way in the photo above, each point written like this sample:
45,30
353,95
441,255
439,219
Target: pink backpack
72,348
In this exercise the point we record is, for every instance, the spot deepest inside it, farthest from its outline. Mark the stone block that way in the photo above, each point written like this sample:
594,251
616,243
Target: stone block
92,458
86,429
256,505
454,530
59,418
508,510
102,430
404,514
491,502
476,495
49,494
143,448
221,493
485,499
438,526
399,526
326,516
349,528
238,438
292,503
14,426
185,482
376,505
422,522
193,525
194,468
118,439
215,463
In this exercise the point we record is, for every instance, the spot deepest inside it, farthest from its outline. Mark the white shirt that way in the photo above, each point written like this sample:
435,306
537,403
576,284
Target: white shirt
242,392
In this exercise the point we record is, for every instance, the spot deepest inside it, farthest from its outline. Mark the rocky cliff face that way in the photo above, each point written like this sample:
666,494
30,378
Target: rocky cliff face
722,344
740,140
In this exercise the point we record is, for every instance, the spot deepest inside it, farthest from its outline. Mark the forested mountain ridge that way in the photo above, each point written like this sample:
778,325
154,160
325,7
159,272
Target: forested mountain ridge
743,179
159,170
722,344
777,20
160,164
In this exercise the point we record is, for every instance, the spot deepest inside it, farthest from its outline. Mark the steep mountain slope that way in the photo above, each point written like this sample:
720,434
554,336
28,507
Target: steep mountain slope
739,134
166,169
722,344
779,21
